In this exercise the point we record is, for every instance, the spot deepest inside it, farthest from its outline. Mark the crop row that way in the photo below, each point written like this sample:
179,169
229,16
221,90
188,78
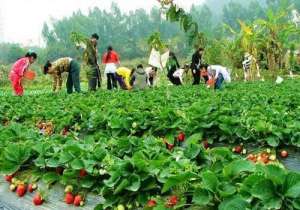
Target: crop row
259,113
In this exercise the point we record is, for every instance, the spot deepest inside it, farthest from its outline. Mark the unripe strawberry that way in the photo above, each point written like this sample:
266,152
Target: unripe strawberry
69,188
120,207
12,187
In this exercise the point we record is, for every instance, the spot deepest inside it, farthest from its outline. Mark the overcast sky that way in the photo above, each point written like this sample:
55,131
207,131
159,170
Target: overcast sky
22,20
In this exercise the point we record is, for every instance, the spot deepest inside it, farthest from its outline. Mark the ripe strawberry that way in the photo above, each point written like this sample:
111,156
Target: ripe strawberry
21,190
59,170
77,200
172,201
264,155
170,146
250,157
238,149
264,160
38,200
82,173
8,178
205,144
181,137
69,198
151,203
65,131
284,154
32,187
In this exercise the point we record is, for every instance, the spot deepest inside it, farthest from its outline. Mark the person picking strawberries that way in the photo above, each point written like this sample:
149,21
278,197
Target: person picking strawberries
18,71
123,76
217,73
64,65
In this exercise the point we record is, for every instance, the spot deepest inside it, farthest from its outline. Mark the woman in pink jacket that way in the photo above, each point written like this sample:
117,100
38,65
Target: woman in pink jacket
18,70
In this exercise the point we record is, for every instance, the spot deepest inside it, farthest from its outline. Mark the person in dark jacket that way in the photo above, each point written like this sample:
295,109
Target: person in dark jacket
195,66
90,58
172,66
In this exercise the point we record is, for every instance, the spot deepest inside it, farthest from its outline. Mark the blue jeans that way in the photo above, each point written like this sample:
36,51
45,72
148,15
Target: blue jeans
219,82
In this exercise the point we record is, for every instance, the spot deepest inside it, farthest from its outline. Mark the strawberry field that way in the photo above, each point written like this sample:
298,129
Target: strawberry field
158,149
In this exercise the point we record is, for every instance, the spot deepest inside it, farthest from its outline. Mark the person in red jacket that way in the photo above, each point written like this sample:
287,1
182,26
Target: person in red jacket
112,61
18,70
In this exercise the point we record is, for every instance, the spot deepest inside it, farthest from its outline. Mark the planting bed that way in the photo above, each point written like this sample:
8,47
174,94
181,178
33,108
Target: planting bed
155,149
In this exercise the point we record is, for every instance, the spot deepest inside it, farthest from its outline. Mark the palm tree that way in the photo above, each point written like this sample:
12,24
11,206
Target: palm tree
276,33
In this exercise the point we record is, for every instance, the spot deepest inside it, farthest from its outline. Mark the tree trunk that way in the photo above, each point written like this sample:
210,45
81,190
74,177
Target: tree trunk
271,63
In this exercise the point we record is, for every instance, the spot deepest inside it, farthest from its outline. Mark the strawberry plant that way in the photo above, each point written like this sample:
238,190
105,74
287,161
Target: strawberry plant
156,149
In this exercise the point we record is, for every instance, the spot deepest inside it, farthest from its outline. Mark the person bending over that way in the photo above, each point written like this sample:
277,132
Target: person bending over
217,73
60,66
123,76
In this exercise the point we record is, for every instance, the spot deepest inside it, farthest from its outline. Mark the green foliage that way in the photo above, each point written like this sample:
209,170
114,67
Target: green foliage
127,33
9,53
154,41
120,145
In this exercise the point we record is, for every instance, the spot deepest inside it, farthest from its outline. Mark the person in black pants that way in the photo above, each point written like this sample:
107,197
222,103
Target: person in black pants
172,66
195,66
60,66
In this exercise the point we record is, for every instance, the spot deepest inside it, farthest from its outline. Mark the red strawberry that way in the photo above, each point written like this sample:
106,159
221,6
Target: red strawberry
250,157
170,146
37,200
284,154
205,144
82,173
8,178
181,137
172,201
238,149
265,160
65,131
32,187
21,190
59,170
77,200
151,203
69,198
